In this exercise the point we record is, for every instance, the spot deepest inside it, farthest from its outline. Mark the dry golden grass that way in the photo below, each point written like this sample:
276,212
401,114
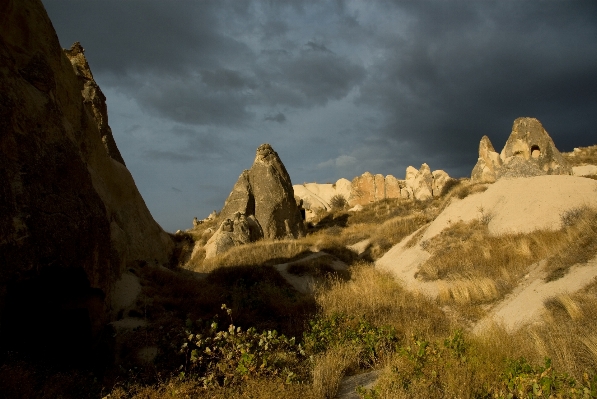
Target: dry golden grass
264,252
271,388
585,155
480,268
383,301
330,367
568,334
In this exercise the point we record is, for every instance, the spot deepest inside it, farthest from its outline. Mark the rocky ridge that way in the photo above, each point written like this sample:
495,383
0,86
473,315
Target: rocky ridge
71,217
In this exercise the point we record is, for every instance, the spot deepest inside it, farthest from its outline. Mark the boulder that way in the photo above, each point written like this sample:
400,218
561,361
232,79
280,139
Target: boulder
71,217
585,170
419,183
440,179
363,190
241,229
265,192
485,171
392,187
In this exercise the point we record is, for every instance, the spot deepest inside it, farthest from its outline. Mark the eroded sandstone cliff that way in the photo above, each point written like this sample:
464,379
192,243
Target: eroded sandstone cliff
71,217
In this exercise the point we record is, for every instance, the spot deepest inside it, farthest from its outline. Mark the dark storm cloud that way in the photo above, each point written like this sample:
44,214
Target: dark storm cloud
353,85
470,68
171,156
311,77
279,117
190,101
135,36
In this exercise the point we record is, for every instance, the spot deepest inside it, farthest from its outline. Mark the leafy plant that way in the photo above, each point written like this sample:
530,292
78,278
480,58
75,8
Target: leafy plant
339,329
217,357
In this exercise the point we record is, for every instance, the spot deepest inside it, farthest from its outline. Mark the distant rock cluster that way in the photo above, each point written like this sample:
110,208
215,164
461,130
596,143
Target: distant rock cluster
419,185
529,151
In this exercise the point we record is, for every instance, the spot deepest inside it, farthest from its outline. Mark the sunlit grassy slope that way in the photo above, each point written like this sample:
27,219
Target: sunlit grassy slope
233,327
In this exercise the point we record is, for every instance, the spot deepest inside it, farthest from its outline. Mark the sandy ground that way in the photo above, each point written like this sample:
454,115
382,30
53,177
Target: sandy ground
520,205
306,284
348,386
514,206
526,303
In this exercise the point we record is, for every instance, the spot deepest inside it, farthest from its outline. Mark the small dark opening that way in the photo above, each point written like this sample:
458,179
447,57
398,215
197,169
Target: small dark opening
535,151
52,316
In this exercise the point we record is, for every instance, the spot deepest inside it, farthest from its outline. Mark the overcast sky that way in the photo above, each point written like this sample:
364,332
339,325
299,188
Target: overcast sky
336,87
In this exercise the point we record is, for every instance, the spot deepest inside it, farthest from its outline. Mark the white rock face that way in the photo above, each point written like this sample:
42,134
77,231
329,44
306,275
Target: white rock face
318,196
422,184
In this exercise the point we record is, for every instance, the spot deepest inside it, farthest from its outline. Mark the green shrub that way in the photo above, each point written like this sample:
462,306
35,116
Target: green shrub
338,329
227,357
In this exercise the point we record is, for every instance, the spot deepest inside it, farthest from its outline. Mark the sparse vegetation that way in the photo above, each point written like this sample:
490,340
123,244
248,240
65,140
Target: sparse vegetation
480,268
270,341
338,202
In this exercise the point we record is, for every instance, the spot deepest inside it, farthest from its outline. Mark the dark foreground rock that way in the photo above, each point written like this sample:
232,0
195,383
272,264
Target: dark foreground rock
71,217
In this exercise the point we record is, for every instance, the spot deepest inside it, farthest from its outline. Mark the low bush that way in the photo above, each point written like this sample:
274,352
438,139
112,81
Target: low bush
215,357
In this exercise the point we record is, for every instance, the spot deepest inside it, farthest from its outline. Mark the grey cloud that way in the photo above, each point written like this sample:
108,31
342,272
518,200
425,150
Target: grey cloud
189,101
171,156
146,35
446,87
225,79
279,117
309,78
318,47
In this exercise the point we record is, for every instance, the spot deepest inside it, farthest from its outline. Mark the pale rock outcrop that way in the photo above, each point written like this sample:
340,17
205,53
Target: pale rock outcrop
363,189
392,187
423,183
369,188
318,196
529,151
265,192
241,229
440,179
419,185
485,171
71,217
585,170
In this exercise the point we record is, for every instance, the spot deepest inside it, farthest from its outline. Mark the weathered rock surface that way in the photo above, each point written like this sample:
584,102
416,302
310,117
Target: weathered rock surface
94,99
265,191
241,229
71,217
485,171
422,184
529,151
369,188
318,196
440,179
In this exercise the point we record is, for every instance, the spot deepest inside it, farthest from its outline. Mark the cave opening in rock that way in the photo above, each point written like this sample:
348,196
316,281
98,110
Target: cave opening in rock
535,151
55,316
